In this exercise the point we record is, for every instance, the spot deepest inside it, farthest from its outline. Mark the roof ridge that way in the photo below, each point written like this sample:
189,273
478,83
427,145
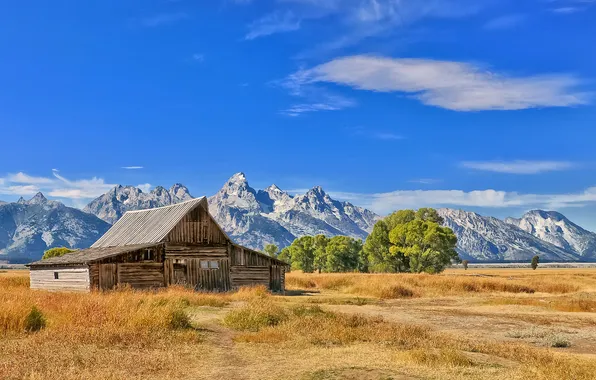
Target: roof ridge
162,207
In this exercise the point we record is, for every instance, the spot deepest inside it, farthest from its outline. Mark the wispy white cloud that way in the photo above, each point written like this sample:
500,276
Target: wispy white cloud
374,134
277,22
145,187
384,203
21,177
321,102
519,166
58,186
566,10
356,20
457,86
425,181
197,57
132,167
163,19
505,22
567,7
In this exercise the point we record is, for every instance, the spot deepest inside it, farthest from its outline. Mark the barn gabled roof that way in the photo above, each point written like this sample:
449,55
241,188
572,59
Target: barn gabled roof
147,226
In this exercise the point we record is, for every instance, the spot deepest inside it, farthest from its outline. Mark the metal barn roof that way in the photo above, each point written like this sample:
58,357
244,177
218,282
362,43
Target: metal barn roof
146,226
89,255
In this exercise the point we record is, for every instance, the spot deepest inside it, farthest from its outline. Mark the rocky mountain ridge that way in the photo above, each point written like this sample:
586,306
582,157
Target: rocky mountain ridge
482,238
556,229
258,217
29,227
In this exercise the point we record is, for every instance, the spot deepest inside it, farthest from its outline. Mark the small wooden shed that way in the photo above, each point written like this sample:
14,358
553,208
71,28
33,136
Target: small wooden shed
179,244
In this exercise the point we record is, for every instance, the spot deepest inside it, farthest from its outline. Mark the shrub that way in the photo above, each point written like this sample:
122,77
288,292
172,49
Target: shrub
442,357
465,264
558,341
255,315
179,320
35,320
56,252
396,291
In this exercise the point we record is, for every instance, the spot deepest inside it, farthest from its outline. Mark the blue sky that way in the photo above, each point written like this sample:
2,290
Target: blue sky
484,105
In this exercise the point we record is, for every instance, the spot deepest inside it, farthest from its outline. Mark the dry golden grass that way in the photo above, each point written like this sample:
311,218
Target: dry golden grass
405,285
334,334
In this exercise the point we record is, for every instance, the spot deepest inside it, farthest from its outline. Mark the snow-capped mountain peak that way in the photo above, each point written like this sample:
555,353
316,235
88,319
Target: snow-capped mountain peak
490,239
556,229
38,199
113,204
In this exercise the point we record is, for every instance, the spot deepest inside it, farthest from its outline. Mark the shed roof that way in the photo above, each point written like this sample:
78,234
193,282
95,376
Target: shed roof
85,256
146,226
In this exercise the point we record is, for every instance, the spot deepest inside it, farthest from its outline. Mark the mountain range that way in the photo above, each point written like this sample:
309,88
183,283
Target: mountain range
27,228
258,217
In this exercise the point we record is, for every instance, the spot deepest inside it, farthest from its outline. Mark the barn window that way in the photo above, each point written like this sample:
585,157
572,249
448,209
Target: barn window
56,276
148,256
209,264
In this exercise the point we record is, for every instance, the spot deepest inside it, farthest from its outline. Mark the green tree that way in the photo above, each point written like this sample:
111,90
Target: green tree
465,264
535,262
302,251
285,255
271,250
343,254
320,246
376,247
56,252
428,246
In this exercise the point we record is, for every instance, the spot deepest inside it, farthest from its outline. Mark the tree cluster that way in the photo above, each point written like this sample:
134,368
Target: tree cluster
56,252
323,254
411,241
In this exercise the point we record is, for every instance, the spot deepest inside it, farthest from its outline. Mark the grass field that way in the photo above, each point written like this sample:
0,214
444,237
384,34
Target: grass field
475,324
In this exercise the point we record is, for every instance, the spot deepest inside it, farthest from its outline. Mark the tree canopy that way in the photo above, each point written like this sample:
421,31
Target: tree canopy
405,241
411,241
56,252
323,254
271,250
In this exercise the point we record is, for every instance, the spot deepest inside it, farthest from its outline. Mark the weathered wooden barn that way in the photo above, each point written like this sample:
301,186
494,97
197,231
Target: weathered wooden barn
178,244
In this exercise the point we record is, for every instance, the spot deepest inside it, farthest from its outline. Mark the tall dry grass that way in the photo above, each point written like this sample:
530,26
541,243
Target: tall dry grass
401,285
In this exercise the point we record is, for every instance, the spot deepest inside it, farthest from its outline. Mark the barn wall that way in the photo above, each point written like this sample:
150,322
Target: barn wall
69,278
197,227
182,250
249,276
141,275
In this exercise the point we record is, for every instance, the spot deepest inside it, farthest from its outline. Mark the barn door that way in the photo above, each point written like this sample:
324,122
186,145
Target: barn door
108,276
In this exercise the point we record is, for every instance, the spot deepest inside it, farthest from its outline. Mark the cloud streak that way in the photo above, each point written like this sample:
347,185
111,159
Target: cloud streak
132,167
385,203
456,86
278,22
22,184
519,166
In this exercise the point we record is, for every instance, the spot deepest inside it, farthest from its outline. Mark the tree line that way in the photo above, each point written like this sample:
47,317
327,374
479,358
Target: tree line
405,241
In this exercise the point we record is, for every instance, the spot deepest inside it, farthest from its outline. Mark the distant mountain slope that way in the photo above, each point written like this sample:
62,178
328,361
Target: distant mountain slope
113,204
483,238
27,228
555,228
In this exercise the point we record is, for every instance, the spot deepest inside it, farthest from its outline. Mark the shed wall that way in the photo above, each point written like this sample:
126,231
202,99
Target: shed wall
70,278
